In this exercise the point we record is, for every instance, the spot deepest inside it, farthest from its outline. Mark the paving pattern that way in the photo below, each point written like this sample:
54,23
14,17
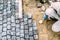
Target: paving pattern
13,28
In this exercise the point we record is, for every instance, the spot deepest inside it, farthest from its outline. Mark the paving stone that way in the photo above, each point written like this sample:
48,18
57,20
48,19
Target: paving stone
35,32
13,24
5,20
22,39
4,33
12,33
8,36
17,30
17,25
13,37
21,31
21,35
30,24
5,25
1,6
17,21
0,28
27,36
26,31
8,26
35,28
30,21
26,27
8,32
35,36
21,19
22,23
30,33
18,34
1,18
21,27
31,38
1,12
4,12
0,22
0,36
25,19
8,19
25,22
18,38
4,29
4,38
8,23
13,28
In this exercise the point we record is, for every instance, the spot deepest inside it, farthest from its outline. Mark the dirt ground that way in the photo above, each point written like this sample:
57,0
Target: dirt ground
44,29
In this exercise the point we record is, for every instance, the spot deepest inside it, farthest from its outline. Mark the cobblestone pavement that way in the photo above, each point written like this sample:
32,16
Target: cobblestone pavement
13,28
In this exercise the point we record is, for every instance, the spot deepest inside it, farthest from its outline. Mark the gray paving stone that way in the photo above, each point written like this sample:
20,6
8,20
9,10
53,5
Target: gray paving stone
35,28
26,27
1,18
4,12
30,24
21,31
0,22
17,30
4,38
31,38
21,35
22,39
13,37
0,28
12,33
35,32
4,33
0,36
25,19
25,22
13,24
5,20
22,23
36,37
17,21
1,1
13,28
26,31
30,33
18,38
1,12
34,24
4,29
22,27
8,36
5,25
27,36
8,19
8,26
30,21
8,23
8,32
18,34
30,28
17,25
1,6
21,19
